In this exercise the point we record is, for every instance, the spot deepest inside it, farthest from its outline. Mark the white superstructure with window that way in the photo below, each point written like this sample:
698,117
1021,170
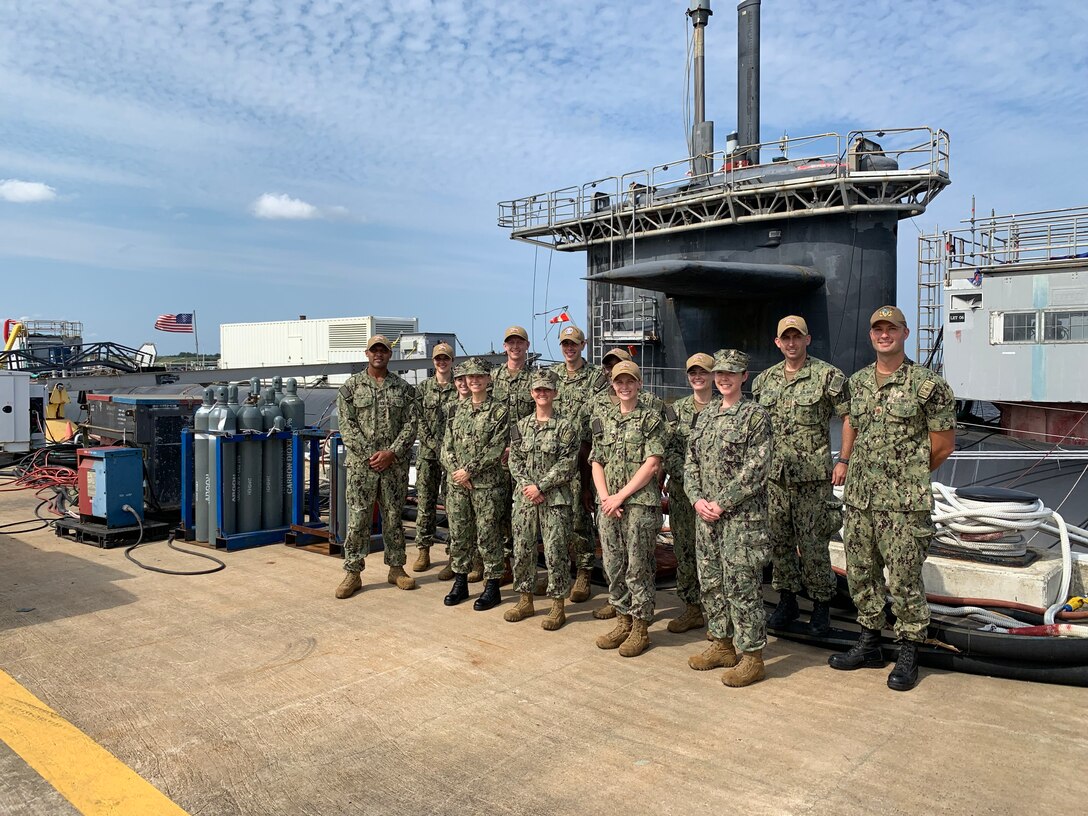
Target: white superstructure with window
1013,318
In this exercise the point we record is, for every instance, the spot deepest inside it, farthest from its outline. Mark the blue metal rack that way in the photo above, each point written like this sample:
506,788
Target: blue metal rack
306,504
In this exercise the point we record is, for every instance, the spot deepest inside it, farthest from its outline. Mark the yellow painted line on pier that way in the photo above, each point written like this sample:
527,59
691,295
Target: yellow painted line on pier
85,773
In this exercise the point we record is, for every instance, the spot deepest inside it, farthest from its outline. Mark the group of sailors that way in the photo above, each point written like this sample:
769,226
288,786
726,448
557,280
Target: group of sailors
523,454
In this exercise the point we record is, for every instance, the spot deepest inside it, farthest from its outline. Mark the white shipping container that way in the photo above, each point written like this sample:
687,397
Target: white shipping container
306,342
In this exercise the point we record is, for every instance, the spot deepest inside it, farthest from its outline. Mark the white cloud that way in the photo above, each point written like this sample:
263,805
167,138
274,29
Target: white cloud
282,206
25,192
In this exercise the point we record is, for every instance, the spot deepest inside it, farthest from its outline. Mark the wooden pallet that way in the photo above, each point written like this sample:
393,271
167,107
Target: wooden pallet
86,532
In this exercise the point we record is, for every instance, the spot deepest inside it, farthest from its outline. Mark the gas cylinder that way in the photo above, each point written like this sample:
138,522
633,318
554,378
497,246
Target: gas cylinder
341,492
277,389
292,406
250,467
272,489
223,422
201,478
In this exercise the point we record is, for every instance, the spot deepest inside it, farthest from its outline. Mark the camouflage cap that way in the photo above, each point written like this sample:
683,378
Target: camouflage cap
621,355
516,331
701,360
892,314
733,360
572,333
475,365
378,340
459,369
792,322
545,378
626,367
442,348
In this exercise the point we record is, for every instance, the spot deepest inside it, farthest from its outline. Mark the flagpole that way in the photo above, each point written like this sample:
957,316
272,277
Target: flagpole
196,338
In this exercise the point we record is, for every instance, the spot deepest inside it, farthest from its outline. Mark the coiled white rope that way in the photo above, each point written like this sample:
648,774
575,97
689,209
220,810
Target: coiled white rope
990,522
956,516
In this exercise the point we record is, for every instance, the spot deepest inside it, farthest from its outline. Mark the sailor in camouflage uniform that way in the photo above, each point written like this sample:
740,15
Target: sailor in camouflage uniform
510,385
801,393
681,513
435,393
472,456
902,426
628,448
599,404
543,460
377,412
725,477
476,574
579,381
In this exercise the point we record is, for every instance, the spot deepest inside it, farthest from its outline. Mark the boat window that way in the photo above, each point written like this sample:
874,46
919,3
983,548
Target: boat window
1065,326
1016,327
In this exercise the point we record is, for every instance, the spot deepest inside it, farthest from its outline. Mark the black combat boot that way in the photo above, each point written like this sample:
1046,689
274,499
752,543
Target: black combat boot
904,676
865,654
785,612
490,597
459,590
819,622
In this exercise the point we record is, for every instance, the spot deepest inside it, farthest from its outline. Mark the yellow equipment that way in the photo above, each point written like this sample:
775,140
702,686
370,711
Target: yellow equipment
57,428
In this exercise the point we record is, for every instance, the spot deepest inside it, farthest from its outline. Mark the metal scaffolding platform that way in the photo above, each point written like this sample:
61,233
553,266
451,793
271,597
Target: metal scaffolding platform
812,175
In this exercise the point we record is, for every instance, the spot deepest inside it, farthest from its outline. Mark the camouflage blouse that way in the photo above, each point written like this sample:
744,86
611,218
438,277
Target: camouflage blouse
377,416
434,398
544,454
475,438
889,466
728,460
801,411
513,391
623,442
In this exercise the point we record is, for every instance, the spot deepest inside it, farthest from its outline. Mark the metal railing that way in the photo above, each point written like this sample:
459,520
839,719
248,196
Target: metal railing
1033,240
826,159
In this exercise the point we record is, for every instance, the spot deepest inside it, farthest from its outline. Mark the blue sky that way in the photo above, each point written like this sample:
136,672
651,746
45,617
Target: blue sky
261,160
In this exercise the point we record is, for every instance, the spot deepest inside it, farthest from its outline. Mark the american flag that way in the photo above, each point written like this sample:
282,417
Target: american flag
181,323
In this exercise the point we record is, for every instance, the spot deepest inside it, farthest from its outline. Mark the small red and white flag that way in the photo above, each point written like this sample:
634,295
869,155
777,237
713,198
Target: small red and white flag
562,317
179,323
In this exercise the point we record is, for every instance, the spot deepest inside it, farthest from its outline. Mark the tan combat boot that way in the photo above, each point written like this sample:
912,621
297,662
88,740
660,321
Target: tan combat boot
400,578
476,574
637,641
579,593
351,584
446,574
720,654
556,617
423,560
606,612
749,670
618,635
522,610
692,618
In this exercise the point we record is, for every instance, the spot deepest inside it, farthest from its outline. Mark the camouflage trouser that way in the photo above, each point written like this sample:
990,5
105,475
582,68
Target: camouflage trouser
581,539
505,522
554,524
876,539
682,524
628,547
428,481
800,518
731,556
389,489
474,522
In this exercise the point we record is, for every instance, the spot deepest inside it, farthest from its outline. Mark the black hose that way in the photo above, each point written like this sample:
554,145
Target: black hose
169,543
